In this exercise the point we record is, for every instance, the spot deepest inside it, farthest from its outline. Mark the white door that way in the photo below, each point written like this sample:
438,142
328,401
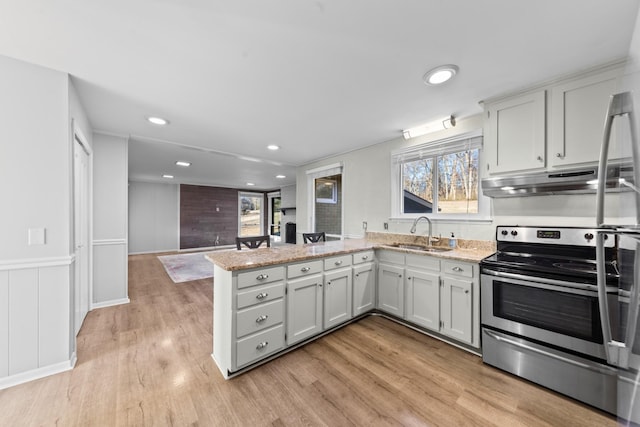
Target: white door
304,308
456,308
81,231
423,299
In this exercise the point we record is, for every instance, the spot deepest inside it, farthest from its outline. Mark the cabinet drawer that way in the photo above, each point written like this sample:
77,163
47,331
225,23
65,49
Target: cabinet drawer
458,268
260,276
424,262
304,269
337,262
361,257
258,346
260,317
259,295
390,257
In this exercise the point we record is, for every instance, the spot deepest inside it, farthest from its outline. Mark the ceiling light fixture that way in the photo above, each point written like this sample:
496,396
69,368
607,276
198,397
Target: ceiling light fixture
168,176
440,74
280,176
250,184
158,121
183,163
436,125
273,147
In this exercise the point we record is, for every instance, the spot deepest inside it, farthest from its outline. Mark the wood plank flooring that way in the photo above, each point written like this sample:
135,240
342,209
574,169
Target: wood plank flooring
149,363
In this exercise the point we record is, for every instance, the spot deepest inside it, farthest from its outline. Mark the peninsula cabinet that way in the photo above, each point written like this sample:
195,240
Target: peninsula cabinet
304,300
338,290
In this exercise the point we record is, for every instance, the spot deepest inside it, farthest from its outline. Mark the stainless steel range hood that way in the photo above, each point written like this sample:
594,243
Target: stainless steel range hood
570,181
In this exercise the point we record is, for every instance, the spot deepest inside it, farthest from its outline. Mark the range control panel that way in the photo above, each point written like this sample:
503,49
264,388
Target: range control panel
554,235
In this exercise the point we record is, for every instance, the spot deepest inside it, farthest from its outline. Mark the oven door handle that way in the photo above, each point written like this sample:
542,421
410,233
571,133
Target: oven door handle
591,367
570,287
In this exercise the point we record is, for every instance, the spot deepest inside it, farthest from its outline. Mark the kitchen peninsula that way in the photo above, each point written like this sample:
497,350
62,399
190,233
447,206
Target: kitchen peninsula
269,301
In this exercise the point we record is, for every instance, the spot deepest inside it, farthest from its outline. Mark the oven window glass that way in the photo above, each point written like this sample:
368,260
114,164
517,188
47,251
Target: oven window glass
565,313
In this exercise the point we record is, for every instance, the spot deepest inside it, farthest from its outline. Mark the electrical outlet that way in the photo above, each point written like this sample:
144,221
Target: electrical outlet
386,225
364,225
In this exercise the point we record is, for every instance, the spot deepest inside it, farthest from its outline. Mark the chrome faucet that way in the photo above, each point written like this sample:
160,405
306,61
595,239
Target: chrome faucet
415,223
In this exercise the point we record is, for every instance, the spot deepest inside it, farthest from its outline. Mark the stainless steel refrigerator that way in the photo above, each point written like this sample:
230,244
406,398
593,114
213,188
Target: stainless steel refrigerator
619,213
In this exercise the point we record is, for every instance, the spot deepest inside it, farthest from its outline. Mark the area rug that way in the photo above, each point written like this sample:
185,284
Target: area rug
186,267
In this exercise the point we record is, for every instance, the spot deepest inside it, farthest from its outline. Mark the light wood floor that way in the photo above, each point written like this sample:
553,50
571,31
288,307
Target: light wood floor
149,363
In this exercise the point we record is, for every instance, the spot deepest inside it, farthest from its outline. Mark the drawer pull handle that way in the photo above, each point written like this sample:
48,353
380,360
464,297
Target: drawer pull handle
305,269
262,295
262,318
365,257
262,277
338,263
262,345
457,269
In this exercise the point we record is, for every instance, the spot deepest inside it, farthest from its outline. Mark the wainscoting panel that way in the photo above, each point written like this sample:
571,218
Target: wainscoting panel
109,272
54,320
4,323
23,320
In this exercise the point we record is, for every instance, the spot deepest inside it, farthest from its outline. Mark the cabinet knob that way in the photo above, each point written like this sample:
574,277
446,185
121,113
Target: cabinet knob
456,269
357,274
262,318
262,295
399,275
408,278
305,269
338,263
539,158
558,155
329,282
466,291
262,276
365,257
262,345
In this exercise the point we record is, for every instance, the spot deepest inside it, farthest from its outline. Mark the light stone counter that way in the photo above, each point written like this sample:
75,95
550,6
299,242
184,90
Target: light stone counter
467,250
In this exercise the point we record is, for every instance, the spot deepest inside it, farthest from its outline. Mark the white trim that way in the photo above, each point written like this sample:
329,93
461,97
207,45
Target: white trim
324,168
110,303
104,242
19,264
37,373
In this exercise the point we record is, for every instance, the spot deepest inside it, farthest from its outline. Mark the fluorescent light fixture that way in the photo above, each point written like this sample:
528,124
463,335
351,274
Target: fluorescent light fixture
250,184
435,126
183,163
280,176
158,121
273,147
507,188
167,176
440,74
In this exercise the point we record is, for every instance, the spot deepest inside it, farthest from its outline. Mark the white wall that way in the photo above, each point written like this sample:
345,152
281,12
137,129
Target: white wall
110,199
153,217
288,200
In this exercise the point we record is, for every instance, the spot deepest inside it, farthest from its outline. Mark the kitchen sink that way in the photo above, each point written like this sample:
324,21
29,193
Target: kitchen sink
420,247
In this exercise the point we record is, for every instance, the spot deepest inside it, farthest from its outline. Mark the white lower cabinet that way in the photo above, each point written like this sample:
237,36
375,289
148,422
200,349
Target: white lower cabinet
364,288
456,308
337,297
391,289
304,308
423,302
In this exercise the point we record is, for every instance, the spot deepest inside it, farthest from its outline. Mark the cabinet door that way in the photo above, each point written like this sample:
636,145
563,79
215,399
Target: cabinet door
423,299
456,308
391,289
337,297
304,308
364,288
515,138
578,110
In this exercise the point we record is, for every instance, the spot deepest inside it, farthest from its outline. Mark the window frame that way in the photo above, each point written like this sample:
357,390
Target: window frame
433,149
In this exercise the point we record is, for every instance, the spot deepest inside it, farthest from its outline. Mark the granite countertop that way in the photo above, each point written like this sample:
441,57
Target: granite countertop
467,250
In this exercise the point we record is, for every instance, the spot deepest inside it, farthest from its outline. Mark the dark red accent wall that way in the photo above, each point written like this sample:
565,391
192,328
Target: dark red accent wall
200,223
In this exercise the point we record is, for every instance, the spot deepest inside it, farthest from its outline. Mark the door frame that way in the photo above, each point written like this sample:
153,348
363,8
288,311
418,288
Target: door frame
321,172
79,137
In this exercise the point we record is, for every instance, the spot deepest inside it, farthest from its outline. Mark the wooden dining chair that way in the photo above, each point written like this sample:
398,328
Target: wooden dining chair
253,242
314,237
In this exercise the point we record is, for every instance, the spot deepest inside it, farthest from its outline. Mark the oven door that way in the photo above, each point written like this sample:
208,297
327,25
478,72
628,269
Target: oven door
549,311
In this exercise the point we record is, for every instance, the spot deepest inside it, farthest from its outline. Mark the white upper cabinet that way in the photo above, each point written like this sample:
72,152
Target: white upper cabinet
578,109
515,133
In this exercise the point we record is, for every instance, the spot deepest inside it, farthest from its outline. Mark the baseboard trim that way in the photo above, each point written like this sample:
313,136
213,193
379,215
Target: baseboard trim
110,303
38,373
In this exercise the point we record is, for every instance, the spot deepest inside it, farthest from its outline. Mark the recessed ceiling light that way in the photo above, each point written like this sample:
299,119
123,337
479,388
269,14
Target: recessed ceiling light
183,163
168,176
158,121
250,184
440,74
280,176
273,147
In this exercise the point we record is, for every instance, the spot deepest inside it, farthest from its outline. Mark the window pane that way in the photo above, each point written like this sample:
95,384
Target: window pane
458,182
250,215
417,186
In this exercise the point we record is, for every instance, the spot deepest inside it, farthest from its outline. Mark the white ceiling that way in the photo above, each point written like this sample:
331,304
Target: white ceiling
314,77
